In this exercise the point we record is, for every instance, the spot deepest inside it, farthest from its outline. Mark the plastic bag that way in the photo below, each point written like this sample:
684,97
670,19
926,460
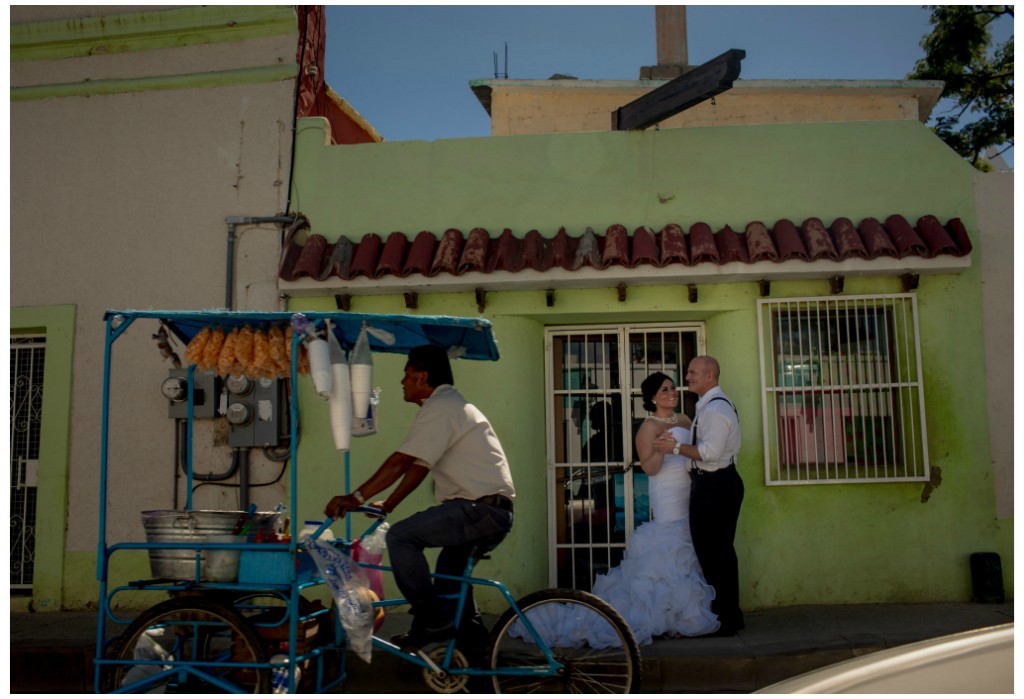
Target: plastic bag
375,578
370,549
376,542
351,591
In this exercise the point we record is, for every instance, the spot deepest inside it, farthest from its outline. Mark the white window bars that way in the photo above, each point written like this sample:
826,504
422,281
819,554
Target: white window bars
841,388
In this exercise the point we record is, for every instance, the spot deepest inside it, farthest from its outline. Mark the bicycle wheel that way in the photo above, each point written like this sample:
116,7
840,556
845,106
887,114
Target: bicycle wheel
188,637
609,665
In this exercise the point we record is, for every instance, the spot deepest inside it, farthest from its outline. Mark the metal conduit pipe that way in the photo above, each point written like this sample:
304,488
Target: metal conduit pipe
243,478
233,222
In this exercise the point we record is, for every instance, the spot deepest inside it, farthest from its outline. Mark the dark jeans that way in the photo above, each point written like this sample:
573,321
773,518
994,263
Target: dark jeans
456,526
715,499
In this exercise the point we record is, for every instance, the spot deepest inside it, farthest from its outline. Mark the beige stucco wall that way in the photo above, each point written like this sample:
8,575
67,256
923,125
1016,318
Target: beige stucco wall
118,200
557,106
994,193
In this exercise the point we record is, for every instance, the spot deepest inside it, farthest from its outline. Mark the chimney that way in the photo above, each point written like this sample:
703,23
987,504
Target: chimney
670,23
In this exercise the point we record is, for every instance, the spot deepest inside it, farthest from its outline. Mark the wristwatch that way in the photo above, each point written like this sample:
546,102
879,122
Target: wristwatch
675,449
359,497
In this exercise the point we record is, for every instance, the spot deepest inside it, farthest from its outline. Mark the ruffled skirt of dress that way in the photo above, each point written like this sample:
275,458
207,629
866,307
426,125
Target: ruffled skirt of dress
658,588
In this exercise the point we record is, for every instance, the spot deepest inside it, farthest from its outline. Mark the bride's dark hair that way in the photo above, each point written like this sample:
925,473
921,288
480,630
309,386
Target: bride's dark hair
650,386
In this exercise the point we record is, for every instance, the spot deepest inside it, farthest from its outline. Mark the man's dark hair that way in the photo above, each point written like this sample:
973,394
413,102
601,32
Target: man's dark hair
432,359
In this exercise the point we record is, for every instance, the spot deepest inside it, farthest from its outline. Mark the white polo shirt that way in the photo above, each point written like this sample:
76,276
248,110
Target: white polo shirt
455,441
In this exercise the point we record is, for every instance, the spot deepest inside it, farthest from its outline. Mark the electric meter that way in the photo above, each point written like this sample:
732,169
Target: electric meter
239,385
239,414
257,412
175,389
205,387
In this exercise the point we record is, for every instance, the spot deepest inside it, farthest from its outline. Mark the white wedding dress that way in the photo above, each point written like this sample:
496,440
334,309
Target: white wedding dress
658,588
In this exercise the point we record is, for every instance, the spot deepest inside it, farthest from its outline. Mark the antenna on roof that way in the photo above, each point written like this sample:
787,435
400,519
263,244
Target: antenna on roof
497,75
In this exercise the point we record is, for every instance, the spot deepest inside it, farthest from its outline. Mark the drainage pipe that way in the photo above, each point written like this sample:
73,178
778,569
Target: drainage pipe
233,222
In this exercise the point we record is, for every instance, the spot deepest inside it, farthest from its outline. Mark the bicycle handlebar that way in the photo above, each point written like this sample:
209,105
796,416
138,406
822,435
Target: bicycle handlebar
375,512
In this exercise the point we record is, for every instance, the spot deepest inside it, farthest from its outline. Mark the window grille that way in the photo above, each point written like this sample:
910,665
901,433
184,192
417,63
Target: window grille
28,355
841,385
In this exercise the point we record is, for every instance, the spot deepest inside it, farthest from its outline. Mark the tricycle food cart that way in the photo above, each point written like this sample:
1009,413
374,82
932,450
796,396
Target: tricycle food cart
236,619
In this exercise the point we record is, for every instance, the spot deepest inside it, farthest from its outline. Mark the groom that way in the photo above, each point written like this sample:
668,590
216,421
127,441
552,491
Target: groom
716,491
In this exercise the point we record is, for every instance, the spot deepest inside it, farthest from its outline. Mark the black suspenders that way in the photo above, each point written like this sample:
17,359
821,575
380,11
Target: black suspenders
693,432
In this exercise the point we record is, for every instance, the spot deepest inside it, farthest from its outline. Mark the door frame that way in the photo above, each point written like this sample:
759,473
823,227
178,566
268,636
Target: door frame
58,324
628,392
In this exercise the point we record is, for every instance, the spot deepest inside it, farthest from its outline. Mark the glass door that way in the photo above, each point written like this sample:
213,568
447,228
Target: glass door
596,496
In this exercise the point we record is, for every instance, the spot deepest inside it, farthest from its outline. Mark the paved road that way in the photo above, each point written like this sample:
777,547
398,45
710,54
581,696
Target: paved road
53,651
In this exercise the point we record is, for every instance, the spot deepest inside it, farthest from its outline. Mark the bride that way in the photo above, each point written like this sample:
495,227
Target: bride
658,588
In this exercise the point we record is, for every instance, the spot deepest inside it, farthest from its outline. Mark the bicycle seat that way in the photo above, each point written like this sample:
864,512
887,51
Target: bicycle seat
479,553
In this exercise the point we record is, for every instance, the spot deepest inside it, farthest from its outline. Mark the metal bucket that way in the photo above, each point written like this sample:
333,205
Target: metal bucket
189,526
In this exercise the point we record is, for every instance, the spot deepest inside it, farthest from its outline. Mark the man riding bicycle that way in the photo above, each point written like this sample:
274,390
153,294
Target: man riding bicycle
453,441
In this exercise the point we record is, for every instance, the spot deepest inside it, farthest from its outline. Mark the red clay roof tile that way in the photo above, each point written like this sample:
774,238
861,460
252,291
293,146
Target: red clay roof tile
817,240
759,243
366,256
702,244
904,237
960,238
455,254
474,254
563,250
848,242
508,254
447,257
673,245
876,241
788,241
938,240
312,258
616,247
421,254
731,247
645,248
392,258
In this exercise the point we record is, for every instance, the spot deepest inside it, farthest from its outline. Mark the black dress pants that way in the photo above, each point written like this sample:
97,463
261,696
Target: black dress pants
715,499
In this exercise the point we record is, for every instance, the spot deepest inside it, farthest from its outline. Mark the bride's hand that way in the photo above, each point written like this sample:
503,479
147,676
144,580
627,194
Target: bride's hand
664,443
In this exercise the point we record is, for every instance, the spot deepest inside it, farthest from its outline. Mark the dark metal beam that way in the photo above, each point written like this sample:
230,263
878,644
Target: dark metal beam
702,83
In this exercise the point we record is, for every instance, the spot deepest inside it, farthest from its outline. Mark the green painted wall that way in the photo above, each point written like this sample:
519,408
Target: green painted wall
797,544
721,175
78,37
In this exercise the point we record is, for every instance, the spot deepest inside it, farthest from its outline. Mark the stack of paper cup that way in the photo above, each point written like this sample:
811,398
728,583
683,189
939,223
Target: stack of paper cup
362,380
320,367
341,406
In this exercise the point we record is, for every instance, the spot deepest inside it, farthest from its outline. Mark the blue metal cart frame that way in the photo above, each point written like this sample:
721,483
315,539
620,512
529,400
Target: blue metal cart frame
473,335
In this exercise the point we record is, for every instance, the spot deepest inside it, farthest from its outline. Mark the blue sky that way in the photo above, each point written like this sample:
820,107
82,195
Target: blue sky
407,68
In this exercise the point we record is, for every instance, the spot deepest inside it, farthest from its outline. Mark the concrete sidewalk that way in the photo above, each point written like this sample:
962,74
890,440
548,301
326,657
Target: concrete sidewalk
53,652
